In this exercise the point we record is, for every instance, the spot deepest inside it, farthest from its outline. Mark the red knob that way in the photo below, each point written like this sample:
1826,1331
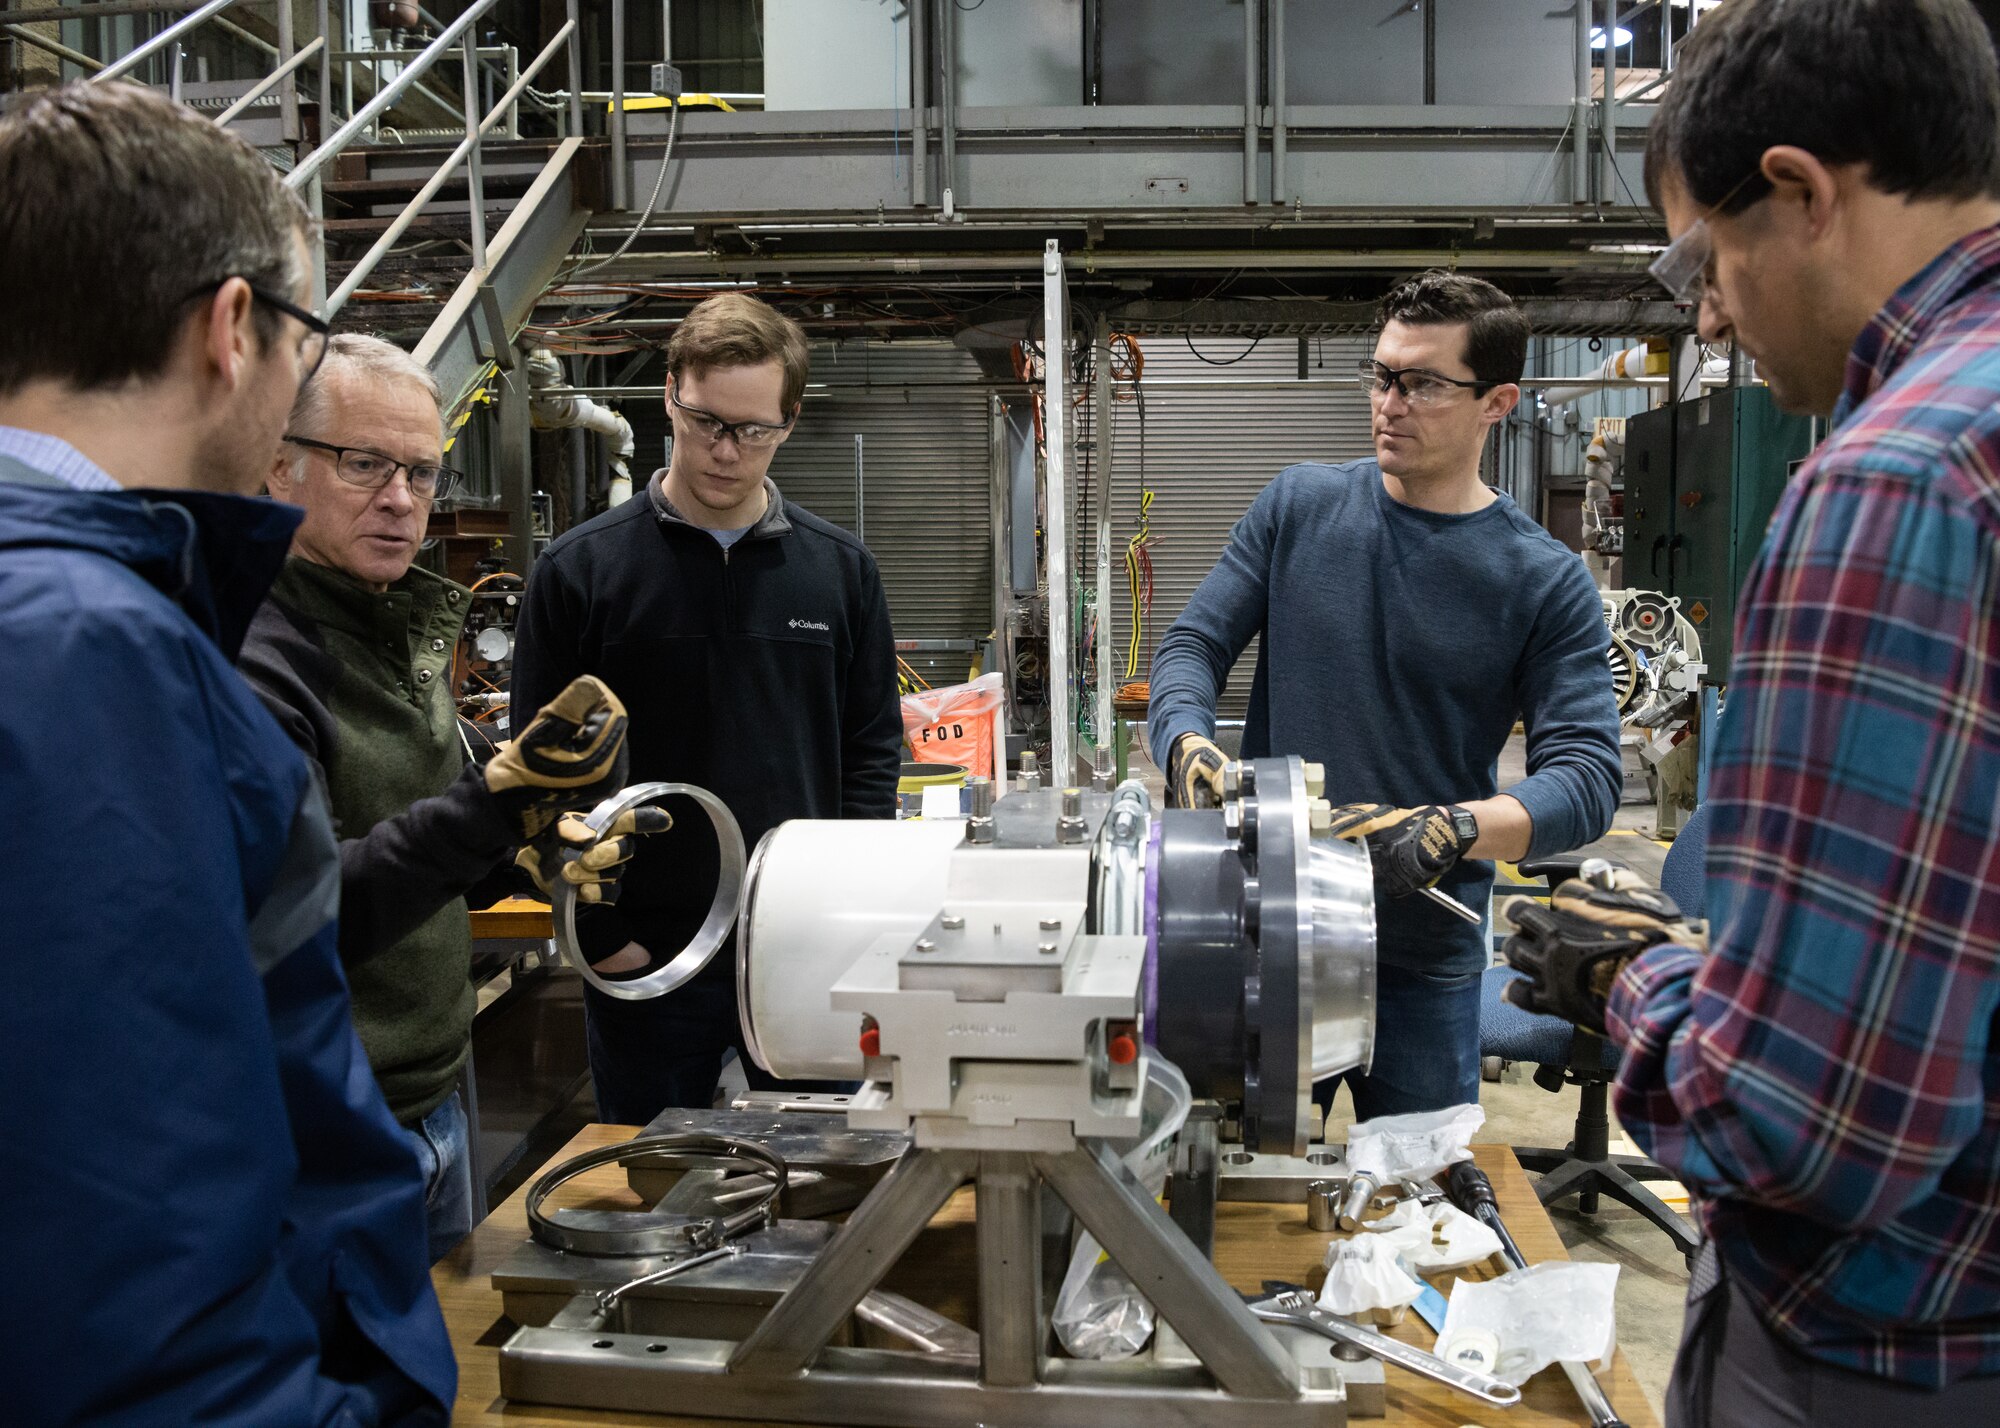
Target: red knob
1124,1049
871,1042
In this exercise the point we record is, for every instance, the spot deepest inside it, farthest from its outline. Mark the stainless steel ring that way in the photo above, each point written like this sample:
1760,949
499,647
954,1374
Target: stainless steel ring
715,928
653,1233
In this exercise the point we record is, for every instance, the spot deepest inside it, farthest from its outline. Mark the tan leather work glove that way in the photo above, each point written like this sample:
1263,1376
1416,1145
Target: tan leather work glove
570,755
592,864
1411,848
1573,950
1194,773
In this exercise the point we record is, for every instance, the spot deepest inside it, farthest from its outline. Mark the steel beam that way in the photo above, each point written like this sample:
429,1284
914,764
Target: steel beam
865,1248
1183,1285
522,260
1009,1227
1055,518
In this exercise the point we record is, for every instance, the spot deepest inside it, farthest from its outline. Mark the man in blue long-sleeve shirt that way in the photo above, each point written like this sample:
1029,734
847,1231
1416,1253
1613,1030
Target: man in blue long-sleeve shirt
1409,615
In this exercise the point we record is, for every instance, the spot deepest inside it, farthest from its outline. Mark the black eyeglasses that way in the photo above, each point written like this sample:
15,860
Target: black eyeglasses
747,433
312,343
1420,386
371,470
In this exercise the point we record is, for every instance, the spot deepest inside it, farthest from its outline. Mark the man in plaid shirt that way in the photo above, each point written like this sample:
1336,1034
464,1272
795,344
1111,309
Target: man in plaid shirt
1824,1073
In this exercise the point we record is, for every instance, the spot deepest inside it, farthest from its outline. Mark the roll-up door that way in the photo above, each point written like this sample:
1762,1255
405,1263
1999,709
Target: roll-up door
924,466
1215,437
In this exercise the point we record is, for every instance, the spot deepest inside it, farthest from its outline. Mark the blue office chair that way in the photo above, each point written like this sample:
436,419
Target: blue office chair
1562,1054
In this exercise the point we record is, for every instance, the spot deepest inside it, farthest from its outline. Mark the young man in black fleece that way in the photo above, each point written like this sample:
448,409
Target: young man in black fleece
750,642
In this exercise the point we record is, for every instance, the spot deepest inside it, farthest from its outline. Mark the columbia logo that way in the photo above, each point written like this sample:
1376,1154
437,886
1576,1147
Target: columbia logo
807,625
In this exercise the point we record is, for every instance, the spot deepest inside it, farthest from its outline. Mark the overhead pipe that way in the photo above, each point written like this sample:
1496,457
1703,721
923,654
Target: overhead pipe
1629,364
1608,115
552,411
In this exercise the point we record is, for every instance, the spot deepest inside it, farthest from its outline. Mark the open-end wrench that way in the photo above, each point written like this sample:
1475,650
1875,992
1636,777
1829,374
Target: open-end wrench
1294,1304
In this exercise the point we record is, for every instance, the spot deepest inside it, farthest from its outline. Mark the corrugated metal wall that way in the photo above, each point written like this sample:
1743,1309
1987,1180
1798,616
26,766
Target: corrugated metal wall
926,464
1215,437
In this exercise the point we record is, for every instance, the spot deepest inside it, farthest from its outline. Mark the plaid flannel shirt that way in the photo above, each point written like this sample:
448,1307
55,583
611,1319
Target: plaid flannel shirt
1827,1080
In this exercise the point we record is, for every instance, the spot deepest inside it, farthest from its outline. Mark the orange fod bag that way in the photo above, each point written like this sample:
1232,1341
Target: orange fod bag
956,725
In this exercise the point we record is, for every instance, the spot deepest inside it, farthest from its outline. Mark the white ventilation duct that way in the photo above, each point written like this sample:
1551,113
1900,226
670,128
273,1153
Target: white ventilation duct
555,413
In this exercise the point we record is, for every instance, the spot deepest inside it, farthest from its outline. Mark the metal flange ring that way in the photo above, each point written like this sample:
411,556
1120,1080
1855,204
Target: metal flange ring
643,1233
715,928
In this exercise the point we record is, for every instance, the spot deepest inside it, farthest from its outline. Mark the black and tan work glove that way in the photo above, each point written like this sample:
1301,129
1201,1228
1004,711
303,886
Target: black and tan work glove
1573,950
1410,848
569,851
570,755
1194,773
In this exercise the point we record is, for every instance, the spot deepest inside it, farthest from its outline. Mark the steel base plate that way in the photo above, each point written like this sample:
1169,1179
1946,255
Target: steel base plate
642,1374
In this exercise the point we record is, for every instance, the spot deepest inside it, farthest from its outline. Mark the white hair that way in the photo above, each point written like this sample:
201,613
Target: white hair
362,357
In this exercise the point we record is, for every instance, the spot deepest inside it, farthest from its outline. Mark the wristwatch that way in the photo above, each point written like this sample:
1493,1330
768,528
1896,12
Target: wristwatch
1463,824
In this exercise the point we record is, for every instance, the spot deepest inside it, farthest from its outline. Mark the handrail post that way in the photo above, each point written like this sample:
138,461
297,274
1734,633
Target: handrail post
513,73
315,194
621,182
475,184
576,72
171,35
1608,115
288,92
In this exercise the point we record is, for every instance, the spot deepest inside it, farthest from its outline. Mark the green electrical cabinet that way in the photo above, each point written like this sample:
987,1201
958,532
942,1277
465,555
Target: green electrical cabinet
1701,480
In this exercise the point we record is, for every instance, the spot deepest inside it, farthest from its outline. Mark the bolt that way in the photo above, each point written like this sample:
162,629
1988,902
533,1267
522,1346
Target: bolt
1232,819
1051,924
1047,949
982,796
951,922
1315,780
1072,803
924,944
1319,813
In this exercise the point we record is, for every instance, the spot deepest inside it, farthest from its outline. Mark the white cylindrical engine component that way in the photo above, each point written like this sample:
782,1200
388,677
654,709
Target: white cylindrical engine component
818,895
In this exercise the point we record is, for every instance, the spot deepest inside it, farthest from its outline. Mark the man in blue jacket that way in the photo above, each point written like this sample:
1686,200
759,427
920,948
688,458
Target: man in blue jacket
1409,614
214,1217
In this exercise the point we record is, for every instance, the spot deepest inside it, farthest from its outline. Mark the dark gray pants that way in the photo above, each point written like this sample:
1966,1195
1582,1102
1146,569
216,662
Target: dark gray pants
1732,1372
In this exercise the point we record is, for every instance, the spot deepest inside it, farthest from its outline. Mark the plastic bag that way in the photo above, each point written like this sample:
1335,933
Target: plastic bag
1430,1238
954,725
1412,1147
1362,1275
1544,1314
1099,1314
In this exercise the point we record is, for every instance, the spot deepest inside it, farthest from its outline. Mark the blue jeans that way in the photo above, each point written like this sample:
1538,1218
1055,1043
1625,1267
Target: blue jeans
667,1051
1426,1045
443,1143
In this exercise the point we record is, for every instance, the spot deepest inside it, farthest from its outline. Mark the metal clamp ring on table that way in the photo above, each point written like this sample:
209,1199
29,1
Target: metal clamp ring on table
715,928
658,1235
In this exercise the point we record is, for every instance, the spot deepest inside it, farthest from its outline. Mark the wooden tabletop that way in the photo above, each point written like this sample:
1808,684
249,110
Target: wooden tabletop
1252,1243
514,917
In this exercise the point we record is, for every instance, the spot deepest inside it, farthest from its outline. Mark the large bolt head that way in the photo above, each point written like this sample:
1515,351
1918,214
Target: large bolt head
1315,780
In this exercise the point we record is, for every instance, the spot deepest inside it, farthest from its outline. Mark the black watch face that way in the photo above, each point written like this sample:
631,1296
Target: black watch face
1467,826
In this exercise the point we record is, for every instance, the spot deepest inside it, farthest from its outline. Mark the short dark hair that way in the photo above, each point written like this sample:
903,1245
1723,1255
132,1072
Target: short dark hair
1496,337
121,207
1909,88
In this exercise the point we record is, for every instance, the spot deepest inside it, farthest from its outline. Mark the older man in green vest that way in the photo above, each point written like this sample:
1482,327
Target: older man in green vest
353,654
